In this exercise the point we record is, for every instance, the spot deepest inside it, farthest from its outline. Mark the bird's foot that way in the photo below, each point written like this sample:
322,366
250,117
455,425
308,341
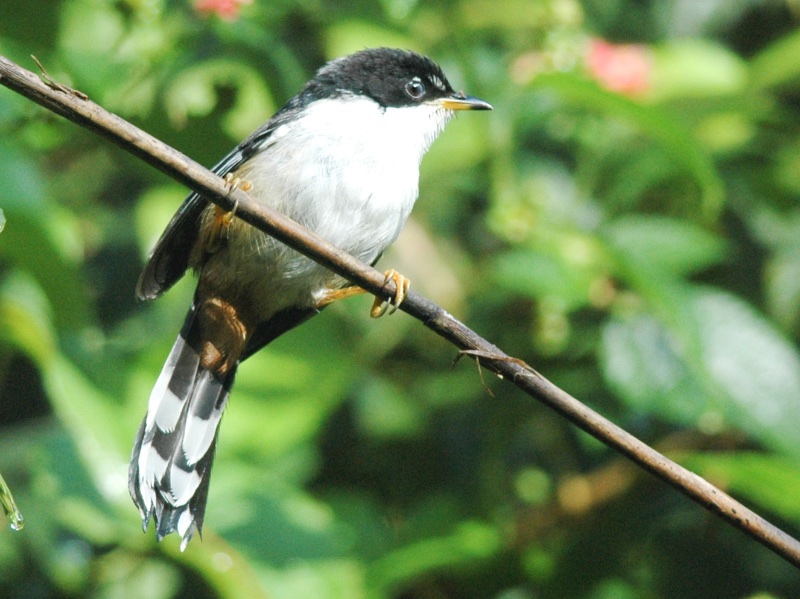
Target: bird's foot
220,228
379,306
235,182
401,287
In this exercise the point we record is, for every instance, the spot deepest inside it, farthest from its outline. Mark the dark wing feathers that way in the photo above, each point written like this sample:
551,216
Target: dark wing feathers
170,257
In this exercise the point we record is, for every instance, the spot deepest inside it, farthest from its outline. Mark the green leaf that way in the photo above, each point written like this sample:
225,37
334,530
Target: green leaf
463,146
347,36
26,317
284,393
324,579
470,542
695,68
645,365
782,286
91,33
384,410
561,269
302,526
721,358
754,364
777,65
668,246
768,480
17,522
677,141
194,93
92,419
155,208
42,238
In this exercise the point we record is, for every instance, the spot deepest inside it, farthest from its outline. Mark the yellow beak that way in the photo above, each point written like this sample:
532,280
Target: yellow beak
461,101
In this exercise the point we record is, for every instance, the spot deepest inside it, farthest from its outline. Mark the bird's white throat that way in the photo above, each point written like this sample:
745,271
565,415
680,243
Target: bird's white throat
347,168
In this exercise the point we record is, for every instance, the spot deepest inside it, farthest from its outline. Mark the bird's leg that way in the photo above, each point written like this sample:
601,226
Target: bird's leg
226,218
334,295
220,228
379,306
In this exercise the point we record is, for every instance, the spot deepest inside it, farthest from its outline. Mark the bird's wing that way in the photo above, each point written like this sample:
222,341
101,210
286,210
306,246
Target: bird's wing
170,257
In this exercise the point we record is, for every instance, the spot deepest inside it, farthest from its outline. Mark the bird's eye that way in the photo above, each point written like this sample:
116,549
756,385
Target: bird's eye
415,89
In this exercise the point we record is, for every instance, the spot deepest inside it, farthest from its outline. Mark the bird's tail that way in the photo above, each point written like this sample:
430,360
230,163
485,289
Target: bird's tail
171,462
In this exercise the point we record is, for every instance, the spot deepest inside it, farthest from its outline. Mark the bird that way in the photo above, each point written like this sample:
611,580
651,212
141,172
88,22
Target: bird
342,158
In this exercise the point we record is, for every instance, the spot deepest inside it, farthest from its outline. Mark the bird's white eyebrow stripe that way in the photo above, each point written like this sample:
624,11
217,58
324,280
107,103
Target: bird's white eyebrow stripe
437,82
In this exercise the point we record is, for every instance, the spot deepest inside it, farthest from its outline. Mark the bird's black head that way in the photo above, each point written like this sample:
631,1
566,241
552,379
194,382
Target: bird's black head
393,78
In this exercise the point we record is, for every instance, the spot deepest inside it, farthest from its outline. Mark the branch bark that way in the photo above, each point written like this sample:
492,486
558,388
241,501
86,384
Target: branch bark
76,107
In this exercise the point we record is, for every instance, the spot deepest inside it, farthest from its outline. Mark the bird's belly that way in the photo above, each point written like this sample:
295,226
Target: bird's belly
353,218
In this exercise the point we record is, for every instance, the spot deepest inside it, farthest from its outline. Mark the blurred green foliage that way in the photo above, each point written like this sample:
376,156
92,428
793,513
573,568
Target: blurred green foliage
639,245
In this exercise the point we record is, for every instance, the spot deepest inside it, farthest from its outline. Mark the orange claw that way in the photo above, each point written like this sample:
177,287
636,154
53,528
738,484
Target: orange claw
237,183
220,230
401,285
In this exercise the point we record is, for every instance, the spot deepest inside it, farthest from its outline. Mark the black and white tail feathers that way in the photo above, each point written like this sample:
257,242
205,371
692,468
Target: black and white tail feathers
171,462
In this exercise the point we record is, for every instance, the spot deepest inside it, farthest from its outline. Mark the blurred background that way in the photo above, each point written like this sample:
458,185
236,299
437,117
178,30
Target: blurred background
627,221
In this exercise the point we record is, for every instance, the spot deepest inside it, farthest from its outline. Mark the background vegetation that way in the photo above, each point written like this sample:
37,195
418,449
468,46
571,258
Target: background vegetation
627,221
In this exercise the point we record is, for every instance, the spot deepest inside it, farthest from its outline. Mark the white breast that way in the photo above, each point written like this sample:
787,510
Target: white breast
349,171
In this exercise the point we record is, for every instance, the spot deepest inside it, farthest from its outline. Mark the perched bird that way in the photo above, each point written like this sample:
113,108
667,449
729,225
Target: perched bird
341,158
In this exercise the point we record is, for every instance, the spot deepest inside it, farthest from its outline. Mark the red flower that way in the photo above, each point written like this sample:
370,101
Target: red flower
621,68
227,10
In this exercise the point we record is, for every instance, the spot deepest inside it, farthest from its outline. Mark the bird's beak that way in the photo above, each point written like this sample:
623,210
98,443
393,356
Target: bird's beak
461,101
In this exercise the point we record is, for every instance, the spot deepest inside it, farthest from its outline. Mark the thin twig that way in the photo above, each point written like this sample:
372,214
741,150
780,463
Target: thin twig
53,84
80,110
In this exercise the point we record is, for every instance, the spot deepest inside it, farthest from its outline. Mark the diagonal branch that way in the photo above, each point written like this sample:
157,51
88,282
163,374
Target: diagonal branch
77,108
